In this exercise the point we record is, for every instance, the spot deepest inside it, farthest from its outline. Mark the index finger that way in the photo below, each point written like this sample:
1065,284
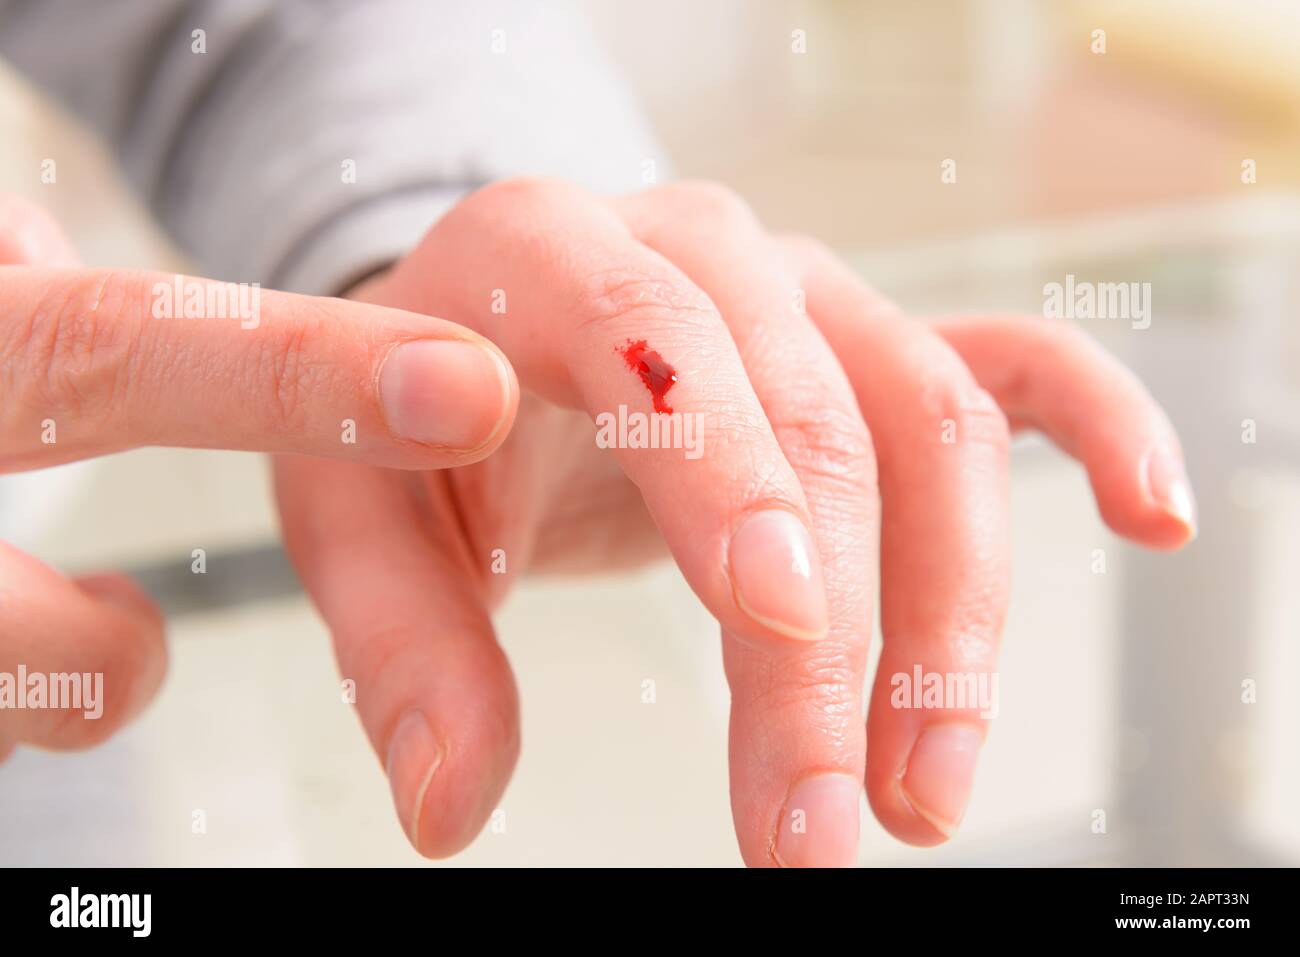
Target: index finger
96,360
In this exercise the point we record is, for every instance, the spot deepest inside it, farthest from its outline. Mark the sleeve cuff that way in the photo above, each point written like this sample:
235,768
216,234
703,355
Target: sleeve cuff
362,239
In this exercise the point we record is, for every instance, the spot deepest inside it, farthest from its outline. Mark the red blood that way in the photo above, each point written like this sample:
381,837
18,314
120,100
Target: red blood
654,371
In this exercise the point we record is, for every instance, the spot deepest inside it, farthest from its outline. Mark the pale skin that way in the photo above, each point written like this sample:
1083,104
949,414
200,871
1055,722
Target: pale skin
868,448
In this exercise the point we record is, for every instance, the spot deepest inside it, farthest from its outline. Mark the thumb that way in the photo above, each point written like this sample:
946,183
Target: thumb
404,600
96,361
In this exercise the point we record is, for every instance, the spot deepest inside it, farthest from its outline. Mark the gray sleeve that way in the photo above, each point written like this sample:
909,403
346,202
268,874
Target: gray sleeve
304,143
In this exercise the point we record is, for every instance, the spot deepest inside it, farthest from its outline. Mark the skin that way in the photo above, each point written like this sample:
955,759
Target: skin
400,565
822,403
80,347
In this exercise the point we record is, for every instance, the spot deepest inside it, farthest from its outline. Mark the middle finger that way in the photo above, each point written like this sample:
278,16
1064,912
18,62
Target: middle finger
797,741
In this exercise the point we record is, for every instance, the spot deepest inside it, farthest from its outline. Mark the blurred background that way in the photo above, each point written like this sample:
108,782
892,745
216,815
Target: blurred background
1162,149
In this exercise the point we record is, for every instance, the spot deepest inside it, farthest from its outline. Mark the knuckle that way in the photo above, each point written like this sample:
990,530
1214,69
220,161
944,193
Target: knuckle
981,420
521,193
286,377
710,202
383,659
629,298
378,652
824,684
73,352
962,411
833,443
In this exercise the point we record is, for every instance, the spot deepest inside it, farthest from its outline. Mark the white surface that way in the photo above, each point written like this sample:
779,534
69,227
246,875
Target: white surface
251,729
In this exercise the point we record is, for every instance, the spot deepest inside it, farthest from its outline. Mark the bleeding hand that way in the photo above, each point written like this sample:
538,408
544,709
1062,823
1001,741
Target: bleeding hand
820,404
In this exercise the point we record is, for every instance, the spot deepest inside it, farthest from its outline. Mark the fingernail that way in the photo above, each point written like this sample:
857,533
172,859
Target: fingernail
776,575
1170,489
413,757
940,773
444,392
819,824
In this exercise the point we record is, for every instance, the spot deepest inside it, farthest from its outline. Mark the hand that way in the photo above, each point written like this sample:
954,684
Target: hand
95,361
788,358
